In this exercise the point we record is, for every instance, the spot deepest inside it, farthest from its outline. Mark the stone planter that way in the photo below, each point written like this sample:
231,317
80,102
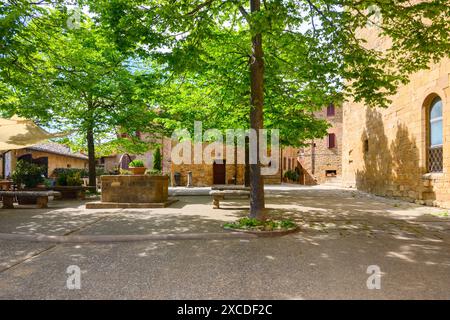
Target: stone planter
71,192
137,170
133,191
266,234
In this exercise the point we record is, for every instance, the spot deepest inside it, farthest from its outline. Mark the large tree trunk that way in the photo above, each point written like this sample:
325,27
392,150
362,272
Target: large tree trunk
91,157
256,118
247,165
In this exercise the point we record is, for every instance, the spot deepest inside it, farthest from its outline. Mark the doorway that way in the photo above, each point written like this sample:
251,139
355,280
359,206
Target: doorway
219,172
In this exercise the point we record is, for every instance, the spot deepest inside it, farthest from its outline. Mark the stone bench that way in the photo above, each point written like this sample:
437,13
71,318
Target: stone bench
41,197
220,195
230,187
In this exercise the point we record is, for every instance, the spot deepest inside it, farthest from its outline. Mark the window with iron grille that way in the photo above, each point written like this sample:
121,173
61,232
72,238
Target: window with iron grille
435,152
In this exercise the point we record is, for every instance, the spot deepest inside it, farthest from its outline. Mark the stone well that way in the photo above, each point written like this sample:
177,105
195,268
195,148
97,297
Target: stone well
133,191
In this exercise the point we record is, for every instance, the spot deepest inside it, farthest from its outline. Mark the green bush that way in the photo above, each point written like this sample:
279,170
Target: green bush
28,174
153,172
69,179
292,175
84,173
125,172
74,179
48,183
69,171
61,179
136,164
255,224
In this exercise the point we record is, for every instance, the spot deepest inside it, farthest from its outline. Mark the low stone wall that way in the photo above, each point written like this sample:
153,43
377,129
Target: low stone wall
135,189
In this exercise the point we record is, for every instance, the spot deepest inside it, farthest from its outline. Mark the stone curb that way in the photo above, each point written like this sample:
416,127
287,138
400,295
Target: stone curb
124,238
265,234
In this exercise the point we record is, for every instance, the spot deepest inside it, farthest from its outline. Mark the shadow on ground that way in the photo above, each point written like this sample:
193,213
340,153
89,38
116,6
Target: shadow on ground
343,232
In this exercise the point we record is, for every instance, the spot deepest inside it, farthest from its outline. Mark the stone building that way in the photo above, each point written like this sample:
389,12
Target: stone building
402,151
321,160
50,155
319,163
221,171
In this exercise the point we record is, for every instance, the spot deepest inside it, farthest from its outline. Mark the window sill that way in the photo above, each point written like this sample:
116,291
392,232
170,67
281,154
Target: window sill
433,175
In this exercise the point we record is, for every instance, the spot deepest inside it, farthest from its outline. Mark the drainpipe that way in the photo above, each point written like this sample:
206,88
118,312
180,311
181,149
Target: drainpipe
281,164
235,164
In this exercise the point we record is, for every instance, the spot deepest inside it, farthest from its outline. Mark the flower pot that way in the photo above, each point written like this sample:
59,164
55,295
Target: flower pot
137,170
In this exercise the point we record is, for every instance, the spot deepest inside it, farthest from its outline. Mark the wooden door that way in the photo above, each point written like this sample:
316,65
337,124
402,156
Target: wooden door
219,172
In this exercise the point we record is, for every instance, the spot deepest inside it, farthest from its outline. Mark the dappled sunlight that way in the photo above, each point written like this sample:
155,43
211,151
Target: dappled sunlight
341,233
404,255
44,221
317,210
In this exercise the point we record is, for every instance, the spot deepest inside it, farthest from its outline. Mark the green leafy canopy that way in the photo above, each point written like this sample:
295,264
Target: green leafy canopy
314,54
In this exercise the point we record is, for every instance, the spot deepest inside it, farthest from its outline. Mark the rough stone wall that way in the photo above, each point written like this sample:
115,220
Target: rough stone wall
202,174
385,150
289,160
134,188
110,163
165,154
395,163
316,159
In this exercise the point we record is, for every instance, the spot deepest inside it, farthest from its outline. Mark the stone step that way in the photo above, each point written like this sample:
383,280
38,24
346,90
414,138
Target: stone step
333,182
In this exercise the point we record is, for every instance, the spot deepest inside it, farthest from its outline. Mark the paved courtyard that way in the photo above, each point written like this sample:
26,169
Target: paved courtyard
343,232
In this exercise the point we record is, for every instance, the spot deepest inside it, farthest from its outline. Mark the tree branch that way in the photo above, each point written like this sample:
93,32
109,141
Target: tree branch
244,13
320,12
200,7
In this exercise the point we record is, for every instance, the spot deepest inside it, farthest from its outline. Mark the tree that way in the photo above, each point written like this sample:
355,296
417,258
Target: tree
73,79
304,50
157,160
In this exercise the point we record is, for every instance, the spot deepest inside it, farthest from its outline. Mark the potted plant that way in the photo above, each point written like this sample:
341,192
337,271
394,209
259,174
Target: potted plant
137,167
70,184
27,175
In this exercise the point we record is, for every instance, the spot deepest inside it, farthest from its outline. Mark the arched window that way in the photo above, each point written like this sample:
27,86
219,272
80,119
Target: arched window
435,136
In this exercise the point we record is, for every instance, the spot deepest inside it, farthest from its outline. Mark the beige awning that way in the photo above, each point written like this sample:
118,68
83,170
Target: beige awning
18,133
